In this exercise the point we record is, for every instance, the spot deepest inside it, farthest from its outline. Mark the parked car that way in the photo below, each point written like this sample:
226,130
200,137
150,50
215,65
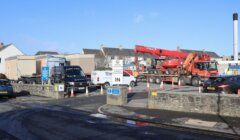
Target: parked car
104,78
6,88
222,84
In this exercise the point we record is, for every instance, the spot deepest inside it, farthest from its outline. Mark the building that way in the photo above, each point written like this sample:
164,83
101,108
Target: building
18,66
105,55
85,61
5,52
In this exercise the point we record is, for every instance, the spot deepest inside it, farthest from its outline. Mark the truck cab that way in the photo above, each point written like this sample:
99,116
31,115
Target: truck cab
71,76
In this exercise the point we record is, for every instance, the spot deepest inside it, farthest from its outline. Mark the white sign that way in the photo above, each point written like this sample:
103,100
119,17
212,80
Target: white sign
117,72
60,87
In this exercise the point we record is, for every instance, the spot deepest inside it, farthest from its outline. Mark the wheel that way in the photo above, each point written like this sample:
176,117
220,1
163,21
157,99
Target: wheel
106,85
195,81
169,72
20,82
132,84
182,80
152,80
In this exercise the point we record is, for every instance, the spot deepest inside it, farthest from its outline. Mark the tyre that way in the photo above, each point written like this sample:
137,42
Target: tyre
132,84
152,80
106,85
195,81
169,72
20,82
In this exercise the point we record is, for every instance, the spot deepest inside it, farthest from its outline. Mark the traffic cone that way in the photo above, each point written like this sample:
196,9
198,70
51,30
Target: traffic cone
129,89
199,87
161,85
72,93
101,90
179,84
148,86
87,91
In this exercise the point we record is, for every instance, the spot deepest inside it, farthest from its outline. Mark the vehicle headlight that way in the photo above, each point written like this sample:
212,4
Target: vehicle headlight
71,83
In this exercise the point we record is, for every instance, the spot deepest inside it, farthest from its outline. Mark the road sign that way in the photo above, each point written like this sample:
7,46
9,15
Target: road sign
45,73
117,72
113,91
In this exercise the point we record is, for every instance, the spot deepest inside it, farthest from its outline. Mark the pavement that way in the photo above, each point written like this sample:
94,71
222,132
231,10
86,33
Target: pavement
136,110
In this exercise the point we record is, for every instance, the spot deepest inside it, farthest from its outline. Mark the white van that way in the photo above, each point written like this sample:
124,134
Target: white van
105,78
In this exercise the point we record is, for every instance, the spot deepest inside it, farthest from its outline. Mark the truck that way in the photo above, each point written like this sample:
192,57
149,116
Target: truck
175,66
104,78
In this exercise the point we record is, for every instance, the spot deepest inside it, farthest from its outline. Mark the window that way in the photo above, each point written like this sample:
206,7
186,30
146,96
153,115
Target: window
0,60
126,74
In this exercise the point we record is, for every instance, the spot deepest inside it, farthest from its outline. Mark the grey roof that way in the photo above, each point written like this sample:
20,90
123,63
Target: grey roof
5,46
124,52
46,52
97,52
212,54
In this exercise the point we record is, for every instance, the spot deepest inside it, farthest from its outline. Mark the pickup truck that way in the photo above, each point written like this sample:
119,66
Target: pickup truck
104,78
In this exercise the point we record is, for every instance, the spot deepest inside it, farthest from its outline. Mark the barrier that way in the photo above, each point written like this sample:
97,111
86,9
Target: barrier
200,87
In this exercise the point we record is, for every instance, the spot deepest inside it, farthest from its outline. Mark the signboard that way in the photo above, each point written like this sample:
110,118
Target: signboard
117,72
45,73
113,91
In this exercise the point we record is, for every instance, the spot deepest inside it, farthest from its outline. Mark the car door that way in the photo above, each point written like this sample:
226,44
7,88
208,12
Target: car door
234,84
126,78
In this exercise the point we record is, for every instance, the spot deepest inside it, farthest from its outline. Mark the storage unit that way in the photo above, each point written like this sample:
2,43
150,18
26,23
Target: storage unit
20,65
85,61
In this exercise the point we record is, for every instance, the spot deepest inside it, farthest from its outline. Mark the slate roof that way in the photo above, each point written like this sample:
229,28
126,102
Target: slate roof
46,52
5,46
124,52
97,52
212,54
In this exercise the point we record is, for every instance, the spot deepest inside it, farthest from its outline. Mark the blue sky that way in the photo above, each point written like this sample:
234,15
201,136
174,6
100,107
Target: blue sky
67,26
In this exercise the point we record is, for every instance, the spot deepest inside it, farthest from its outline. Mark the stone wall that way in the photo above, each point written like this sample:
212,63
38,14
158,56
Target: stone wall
39,90
223,104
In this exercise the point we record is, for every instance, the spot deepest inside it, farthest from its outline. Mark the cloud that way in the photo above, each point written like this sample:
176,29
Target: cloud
138,19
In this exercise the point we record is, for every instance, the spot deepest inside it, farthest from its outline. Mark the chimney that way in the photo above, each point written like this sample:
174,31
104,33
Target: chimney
235,36
1,45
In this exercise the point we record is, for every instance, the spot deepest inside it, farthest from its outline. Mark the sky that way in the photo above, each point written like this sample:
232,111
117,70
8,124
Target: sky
67,26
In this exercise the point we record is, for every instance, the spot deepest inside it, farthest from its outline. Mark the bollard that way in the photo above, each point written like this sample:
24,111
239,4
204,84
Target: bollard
72,92
101,89
87,91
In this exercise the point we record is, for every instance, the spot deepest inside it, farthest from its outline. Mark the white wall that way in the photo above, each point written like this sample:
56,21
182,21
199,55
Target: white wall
8,52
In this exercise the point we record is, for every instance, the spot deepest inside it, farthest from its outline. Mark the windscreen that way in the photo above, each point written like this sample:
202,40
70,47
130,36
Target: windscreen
74,72
4,83
206,65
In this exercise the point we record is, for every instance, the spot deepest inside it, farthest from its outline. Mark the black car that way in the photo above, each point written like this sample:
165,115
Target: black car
222,84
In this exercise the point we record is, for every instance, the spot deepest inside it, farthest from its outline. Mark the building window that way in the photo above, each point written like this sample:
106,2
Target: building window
0,60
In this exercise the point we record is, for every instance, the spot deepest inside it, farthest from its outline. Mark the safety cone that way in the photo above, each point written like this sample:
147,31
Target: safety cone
179,84
199,87
161,85
72,92
148,86
101,90
87,91
129,89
